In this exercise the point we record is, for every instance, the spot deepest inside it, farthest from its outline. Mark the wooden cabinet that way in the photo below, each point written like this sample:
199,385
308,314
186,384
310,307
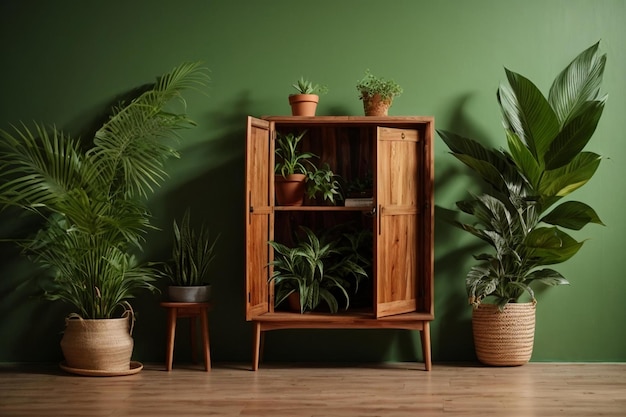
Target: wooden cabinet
397,154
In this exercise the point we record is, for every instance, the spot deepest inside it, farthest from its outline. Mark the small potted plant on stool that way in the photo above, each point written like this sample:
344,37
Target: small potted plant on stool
188,270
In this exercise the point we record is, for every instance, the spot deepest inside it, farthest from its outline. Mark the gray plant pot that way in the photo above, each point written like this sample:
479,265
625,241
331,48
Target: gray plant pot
190,294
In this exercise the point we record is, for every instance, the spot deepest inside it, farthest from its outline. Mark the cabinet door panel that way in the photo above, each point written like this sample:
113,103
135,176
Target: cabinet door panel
259,214
397,190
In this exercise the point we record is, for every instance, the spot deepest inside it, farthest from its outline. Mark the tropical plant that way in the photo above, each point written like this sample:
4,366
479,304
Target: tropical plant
192,254
292,161
323,181
305,86
314,268
92,197
544,162
371,85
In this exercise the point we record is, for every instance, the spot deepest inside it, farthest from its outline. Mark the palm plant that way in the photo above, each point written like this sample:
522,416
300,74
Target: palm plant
313,269
93,203
544,162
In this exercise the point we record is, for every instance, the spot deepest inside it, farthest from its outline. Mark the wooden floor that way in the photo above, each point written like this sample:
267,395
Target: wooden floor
290,390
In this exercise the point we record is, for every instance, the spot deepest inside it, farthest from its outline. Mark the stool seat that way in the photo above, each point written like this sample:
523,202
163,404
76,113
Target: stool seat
176,310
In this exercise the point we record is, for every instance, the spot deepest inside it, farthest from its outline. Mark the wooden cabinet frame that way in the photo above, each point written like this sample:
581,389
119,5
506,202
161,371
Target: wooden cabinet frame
399,151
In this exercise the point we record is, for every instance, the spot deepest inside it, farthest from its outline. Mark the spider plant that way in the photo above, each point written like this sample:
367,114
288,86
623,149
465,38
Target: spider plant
92,197
313,269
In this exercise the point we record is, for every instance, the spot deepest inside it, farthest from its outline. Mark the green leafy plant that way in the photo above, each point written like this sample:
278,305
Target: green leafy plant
371,85
304,86
545,162
323,181
314,268
93,202
292,161
192,254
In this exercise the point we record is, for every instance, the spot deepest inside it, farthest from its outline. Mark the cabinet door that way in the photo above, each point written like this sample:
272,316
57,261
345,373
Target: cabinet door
397,192
259,214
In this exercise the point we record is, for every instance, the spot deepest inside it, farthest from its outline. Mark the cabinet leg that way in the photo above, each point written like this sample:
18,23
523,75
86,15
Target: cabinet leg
256,349
425,335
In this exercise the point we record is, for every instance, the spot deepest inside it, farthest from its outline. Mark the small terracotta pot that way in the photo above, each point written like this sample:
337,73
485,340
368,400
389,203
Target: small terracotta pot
290,189
375,106
303,104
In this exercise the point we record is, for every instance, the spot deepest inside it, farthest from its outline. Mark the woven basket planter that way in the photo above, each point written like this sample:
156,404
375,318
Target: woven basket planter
504,338
102,345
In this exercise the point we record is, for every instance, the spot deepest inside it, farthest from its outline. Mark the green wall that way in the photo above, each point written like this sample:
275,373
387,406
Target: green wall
64,62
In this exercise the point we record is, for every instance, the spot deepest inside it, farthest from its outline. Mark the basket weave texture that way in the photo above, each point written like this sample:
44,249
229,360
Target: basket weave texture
504,338
99,345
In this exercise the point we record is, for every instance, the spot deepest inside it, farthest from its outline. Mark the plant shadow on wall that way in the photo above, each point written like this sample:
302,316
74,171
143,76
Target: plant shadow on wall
210,183
521,216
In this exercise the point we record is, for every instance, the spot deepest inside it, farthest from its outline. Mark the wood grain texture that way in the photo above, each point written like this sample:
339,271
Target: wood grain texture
313,390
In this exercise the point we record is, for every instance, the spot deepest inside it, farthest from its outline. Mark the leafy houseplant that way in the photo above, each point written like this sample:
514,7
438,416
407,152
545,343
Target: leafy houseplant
92,197
304,102
521,216
299,177
377,94
313,268
192,254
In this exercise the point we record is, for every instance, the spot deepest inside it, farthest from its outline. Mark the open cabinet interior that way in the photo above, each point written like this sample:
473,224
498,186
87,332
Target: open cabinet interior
384,222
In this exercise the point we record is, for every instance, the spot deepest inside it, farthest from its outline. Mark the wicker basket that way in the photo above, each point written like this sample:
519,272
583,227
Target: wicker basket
504,338
98,345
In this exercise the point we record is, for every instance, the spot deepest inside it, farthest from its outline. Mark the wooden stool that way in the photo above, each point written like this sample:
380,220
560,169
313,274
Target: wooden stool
192,311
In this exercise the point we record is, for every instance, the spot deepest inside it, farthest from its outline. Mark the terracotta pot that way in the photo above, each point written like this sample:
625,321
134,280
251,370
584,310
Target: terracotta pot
98,345
375,106
290,189
189,294
504,338
303,104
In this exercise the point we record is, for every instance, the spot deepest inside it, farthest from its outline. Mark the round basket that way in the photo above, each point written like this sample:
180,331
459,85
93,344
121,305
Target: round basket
504,338
98,345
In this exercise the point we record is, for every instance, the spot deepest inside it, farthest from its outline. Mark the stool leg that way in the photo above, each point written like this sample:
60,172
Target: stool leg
192,334
205,340
171,332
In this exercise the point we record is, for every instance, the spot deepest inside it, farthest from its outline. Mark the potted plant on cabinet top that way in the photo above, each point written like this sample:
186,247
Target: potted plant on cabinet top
519,217
188,270
314,268
377,94
304,102
293,178
93,206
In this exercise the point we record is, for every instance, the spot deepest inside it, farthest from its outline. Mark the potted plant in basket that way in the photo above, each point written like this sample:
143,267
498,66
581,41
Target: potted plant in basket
521,216
377,94
91,199
294,178
304,102
188,270
312,270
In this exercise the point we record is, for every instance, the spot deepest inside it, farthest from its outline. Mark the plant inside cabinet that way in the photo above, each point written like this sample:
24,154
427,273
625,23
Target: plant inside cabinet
398,153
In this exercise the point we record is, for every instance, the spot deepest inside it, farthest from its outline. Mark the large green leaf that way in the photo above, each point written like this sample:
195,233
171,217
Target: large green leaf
527,113
572,215
577,84
549,245
565,180
574,135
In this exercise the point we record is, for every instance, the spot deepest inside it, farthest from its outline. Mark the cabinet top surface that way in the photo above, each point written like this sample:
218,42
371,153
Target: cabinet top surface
350,119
